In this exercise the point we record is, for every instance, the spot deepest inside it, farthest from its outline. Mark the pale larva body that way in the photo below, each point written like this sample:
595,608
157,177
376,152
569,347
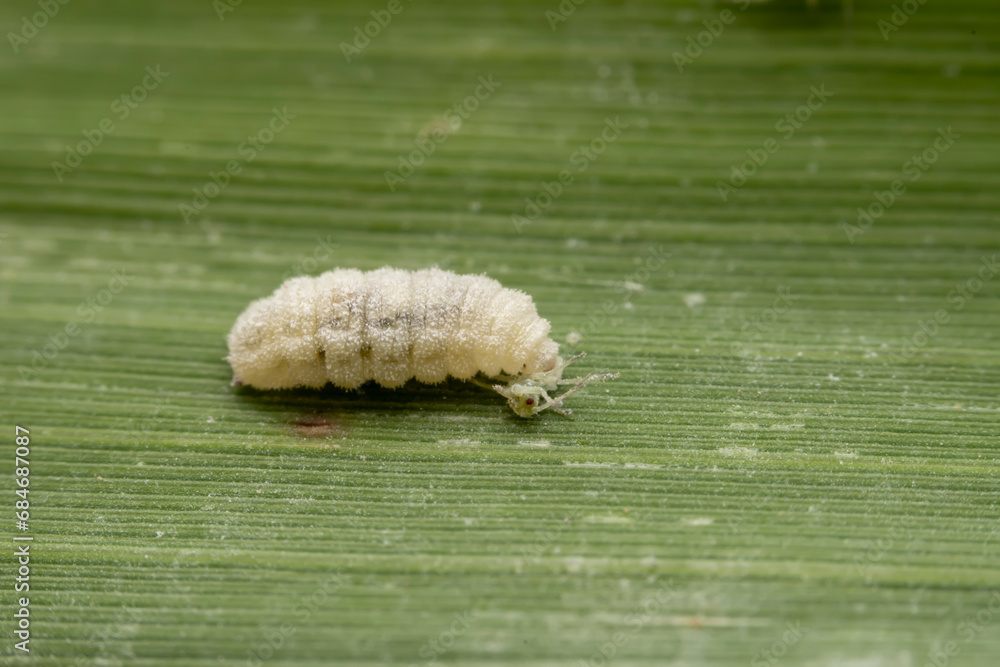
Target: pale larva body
348,327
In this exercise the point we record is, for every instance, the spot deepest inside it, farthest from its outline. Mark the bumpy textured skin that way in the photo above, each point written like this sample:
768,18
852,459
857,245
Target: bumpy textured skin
348,327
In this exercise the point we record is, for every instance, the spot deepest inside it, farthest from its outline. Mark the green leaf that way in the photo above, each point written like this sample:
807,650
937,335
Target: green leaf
797,466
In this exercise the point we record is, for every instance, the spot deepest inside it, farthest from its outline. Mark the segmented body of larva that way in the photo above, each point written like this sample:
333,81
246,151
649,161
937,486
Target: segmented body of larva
348,327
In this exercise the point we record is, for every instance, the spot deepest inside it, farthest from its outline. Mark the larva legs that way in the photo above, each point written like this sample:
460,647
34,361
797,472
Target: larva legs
529,395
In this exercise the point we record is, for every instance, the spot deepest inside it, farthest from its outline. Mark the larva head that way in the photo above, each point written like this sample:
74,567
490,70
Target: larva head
524,398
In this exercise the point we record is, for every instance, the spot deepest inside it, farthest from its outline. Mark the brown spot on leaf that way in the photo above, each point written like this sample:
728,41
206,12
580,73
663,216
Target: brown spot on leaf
318,427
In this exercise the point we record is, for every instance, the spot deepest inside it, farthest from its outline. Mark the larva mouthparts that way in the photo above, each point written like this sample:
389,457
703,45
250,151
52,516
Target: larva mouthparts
347,327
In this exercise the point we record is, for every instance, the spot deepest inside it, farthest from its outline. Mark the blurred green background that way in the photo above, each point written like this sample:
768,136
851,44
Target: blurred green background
798,465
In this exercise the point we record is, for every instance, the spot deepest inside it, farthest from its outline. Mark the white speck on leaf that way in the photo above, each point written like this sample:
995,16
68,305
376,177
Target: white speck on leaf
694,299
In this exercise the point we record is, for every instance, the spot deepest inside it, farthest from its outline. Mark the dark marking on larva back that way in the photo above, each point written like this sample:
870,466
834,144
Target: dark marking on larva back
395,322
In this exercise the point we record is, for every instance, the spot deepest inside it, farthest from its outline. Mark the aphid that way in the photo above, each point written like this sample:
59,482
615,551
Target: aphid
347,327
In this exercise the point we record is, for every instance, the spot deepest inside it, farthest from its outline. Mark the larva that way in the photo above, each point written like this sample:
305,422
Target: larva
348,327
